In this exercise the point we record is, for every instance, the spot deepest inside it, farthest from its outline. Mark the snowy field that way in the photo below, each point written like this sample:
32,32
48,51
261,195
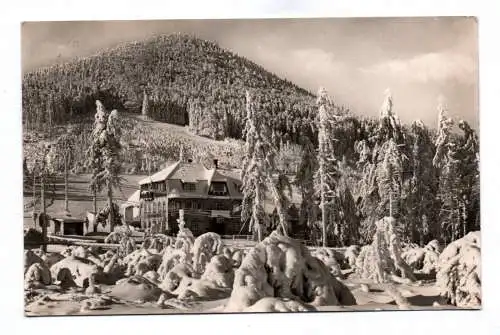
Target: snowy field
166,275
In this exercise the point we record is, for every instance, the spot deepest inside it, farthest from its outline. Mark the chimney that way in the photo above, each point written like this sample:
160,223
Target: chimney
216,163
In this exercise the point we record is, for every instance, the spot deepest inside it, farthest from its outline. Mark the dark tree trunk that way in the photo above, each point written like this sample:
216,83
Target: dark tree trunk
111,210
66,201
44,216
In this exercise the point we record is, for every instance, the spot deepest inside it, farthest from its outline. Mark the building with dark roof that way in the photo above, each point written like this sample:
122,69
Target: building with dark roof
211,199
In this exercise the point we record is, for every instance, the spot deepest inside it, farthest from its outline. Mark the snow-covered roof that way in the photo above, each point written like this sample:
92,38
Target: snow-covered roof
160,175
133,199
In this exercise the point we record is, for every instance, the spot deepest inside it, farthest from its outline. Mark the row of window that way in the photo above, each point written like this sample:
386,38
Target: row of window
156,207
216,188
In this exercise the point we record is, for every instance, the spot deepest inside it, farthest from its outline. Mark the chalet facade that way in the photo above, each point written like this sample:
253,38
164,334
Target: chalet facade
211,199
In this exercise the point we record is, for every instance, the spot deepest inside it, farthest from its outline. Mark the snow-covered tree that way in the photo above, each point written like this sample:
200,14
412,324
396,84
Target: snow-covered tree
304,180
445,125
62,156
258,173
325,175
104,154
145,111
383,169
389,123
421,203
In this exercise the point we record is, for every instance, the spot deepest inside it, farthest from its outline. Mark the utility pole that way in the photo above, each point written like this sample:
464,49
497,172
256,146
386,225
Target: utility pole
66,201
166,217
43,219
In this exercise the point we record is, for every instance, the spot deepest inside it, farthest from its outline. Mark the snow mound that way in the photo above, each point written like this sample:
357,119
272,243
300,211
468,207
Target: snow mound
81,269
271,305
329,258
180,282
281,267
459,271
136,289
381,261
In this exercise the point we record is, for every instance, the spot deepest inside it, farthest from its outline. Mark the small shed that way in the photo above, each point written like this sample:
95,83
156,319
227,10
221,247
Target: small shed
65,225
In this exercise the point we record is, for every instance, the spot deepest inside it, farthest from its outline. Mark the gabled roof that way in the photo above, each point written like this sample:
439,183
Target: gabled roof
160,175
133,200
190,172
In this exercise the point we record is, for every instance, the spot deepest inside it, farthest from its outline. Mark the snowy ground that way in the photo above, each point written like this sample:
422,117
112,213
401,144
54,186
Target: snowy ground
369,297
420,297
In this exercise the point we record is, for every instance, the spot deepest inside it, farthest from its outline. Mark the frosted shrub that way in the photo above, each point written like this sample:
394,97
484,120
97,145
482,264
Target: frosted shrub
81,269
204,248
37,276
381,261
328,257
351,254
423,260
181,283
458,275
281,267
142,261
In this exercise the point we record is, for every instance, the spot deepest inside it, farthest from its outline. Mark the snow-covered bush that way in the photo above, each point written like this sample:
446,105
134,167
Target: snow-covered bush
81,269
423,260
36,276
328,257
351,254
181,283
459,271
142,261
381,261
282,267
204,248
220,271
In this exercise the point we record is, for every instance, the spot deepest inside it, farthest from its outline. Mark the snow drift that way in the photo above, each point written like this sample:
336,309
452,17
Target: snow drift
459,271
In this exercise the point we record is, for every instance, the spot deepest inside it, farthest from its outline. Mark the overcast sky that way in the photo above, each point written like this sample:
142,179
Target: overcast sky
421,60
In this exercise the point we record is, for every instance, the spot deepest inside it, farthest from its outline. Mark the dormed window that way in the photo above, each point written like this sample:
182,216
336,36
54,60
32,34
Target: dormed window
218,188
189,187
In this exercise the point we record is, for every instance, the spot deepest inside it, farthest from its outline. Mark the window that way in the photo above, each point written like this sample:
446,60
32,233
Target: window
189,187
189,204
219,206
218,188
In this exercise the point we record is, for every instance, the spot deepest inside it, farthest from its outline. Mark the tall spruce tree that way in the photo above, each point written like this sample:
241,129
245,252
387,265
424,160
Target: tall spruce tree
421,201
325,179
104,156
304,180
258,173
